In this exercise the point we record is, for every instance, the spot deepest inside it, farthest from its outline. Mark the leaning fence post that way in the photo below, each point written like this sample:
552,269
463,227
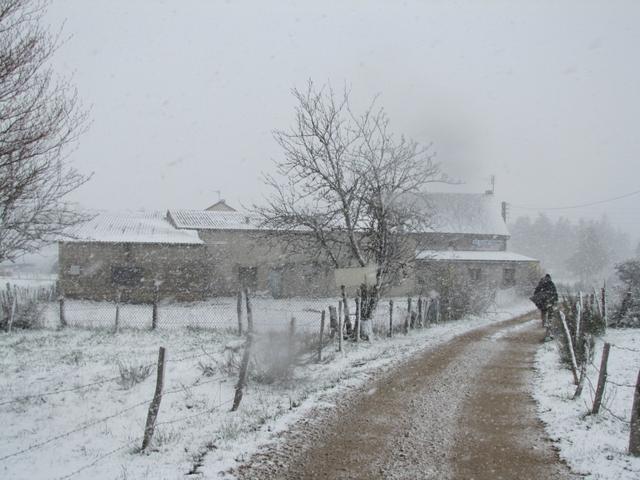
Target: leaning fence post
63,318
583,371
390,318
602,379
322,315
244,366
634,434
239,311
567,333
155,403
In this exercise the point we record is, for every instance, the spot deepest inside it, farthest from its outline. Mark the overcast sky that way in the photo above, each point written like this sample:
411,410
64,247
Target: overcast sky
184,94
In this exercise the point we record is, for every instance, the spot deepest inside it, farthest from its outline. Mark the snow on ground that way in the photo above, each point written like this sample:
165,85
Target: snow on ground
67,413
593,445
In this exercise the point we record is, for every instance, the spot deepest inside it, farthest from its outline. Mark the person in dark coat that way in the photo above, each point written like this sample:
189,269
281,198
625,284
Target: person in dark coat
545,297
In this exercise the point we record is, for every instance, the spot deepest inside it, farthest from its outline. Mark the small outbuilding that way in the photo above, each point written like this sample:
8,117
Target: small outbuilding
133,255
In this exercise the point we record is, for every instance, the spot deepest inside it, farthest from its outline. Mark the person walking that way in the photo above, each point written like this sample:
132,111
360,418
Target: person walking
545,297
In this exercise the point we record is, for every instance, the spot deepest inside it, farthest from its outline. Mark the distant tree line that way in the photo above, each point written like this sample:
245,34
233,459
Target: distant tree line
585,250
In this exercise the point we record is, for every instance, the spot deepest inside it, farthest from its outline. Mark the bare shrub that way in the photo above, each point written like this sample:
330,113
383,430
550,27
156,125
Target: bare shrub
208,369
458,293
27,314
273,359
131,374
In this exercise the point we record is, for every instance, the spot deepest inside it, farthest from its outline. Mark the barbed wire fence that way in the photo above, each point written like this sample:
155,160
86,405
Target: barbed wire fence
286,334
579,341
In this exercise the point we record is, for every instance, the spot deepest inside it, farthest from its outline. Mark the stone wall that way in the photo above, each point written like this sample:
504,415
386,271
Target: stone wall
97,271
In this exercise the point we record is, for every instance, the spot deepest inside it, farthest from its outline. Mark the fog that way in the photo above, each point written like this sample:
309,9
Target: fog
184,95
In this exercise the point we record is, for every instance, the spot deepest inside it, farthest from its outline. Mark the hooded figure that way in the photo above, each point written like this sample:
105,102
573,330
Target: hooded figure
545,297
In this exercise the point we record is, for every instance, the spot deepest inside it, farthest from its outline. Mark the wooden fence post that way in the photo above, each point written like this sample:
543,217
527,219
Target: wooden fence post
602,379
322,315
292,339
583,371
390,318
410,311
634,434
14,305
604,304
567,333
247,301
437,301
239,311
244,366
333,321
155,403
340,324
63,318
357,326
420,319
340,328
154,308
579,308
347,320
117,325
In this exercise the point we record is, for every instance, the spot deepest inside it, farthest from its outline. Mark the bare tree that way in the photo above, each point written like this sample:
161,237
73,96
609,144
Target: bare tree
346,181
40,119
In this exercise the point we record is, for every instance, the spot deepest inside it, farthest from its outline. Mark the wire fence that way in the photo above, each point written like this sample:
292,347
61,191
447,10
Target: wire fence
285,335
131,444
222,314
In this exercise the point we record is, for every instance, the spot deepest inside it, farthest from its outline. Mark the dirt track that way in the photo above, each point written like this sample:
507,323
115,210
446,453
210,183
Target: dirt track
460,411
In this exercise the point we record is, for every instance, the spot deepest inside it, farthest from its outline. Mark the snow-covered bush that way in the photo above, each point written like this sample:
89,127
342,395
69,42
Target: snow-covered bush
591,326
627,312
460,295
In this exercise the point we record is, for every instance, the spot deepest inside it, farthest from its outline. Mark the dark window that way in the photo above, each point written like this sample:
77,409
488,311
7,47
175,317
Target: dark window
475,274
126,276
248,277
509,277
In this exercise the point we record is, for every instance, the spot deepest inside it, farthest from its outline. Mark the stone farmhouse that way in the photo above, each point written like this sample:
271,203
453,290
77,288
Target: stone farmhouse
190,255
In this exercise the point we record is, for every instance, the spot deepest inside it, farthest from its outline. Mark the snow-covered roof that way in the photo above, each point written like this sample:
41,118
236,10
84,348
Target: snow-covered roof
212,220
133,227
472,256
471,213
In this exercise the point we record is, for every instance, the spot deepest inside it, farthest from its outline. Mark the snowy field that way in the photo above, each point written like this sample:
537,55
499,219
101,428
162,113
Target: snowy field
593,445
67,412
